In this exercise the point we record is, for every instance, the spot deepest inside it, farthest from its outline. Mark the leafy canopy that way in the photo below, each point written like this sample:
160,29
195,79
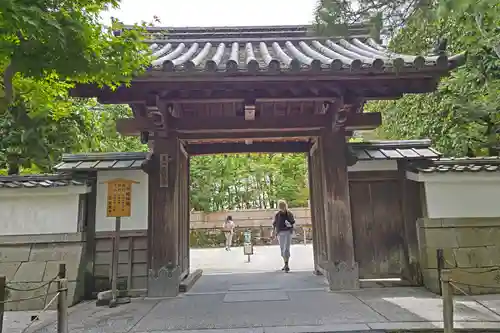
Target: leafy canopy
462,116
63,40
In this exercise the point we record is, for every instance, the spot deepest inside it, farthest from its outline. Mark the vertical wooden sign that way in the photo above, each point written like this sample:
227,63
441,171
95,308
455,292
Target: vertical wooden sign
163,170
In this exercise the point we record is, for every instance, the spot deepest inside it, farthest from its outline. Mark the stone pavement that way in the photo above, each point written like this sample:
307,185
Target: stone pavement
252,300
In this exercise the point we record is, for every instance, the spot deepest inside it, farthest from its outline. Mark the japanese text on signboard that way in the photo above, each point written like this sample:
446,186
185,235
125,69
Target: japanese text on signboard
119,197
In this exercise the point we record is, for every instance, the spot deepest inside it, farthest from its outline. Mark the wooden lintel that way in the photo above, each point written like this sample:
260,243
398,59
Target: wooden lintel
252,135
355,121
257,147
324,98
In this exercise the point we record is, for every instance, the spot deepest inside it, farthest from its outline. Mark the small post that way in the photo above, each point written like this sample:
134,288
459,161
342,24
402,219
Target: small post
3,298
247,244
116,256
447,290
304,233
62,306
62,271
440,267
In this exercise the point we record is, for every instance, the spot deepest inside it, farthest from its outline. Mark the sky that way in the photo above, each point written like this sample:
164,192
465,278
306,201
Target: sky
202,13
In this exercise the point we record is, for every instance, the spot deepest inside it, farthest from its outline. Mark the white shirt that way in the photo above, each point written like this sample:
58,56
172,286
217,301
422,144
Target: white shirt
228,225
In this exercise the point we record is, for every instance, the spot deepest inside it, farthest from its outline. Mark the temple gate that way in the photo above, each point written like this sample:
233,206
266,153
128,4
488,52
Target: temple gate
260,89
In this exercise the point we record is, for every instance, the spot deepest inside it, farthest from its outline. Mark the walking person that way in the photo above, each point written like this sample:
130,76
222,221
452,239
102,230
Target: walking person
283,230
228,229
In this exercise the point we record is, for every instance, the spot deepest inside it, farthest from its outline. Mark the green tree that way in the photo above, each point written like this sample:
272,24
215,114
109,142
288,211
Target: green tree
98,128
45,47
63,40
38,140
462,116
244,181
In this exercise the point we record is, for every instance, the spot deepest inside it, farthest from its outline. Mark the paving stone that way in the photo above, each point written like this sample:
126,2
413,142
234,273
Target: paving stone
30,272
401,325
478,325
14,253
264,286
318,329
256,296
233,330
306,310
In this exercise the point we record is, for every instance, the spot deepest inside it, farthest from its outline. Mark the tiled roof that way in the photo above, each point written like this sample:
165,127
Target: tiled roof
465,164
38,181
374,150
394,150
278,49
101,161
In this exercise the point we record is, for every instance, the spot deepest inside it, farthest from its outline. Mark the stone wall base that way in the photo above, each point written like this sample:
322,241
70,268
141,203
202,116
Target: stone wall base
471,249
29,261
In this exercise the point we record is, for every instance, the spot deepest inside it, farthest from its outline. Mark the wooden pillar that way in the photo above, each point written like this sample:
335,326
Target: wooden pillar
183,211
163,168
313,208
188,213
342,270
318,205
412,211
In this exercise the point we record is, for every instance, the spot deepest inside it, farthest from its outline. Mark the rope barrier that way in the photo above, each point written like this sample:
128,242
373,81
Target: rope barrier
468,270
475,285
31,289
453,284
28,299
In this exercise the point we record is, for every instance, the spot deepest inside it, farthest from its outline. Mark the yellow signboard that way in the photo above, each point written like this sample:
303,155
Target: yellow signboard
119,196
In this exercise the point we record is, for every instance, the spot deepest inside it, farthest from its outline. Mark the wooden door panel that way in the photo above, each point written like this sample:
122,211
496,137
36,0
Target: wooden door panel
362,224
388,238
377,227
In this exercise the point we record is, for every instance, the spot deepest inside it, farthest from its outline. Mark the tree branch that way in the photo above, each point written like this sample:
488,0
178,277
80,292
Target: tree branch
8,75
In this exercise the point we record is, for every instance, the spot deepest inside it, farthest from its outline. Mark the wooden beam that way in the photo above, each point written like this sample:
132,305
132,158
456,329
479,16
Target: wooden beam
252,135
371,87
141,91
222,126
257,147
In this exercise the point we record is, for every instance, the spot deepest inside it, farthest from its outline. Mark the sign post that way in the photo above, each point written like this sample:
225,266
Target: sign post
119,204
247,244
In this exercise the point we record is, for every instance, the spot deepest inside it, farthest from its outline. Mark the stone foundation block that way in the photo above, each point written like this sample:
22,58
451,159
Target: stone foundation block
342,276
30,272
9,269
14,253
56,252
165,282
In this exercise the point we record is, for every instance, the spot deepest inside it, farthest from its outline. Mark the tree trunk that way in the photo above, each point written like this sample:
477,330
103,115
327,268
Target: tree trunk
13,169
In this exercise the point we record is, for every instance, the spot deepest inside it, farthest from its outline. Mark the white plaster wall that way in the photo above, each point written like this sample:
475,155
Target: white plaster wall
460,194
139,215
25,214
463,199
381,165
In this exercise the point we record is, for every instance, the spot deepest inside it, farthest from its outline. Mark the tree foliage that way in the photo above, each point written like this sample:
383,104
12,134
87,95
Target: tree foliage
238,181
45,47
461,117
64,40
38,140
